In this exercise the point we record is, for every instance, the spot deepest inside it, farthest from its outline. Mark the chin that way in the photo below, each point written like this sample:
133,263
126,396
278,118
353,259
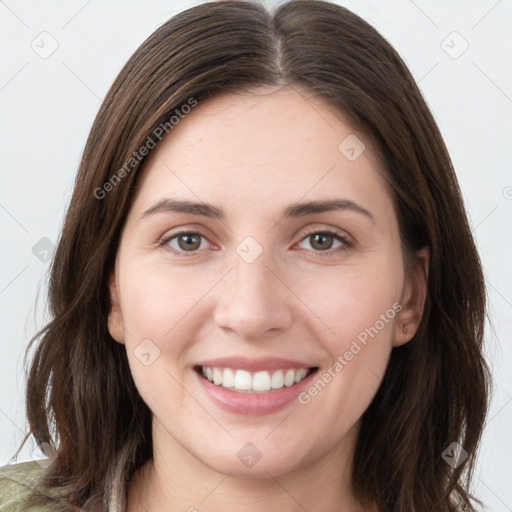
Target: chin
248,461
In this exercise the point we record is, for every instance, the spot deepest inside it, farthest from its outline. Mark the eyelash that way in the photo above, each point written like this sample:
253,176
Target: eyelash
347,244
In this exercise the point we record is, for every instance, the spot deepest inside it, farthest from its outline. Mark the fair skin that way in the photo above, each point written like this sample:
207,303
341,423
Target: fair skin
252,156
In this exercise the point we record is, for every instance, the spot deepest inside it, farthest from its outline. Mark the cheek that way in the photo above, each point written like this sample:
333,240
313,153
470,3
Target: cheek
158,300
157,306
349,300
360,310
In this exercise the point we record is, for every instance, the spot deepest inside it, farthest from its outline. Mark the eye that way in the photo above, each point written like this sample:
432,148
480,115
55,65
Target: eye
323,241
184,241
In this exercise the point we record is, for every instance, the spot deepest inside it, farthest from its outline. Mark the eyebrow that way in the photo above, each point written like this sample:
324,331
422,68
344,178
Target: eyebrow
168,205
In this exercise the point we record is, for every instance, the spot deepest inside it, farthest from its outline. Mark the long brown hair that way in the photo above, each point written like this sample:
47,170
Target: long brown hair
81,398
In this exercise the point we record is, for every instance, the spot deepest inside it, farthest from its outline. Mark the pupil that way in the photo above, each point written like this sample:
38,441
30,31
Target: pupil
322,239
188,244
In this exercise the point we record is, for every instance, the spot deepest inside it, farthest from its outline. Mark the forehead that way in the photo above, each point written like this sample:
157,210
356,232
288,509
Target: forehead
273,144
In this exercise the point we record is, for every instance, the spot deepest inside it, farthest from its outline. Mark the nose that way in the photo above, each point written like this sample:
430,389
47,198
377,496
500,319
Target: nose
253,300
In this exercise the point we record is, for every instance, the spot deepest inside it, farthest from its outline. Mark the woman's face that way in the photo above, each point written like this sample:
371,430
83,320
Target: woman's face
262,249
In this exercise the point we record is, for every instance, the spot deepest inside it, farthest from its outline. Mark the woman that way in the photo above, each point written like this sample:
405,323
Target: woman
266,294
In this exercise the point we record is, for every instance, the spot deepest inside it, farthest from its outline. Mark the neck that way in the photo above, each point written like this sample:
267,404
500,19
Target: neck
176,480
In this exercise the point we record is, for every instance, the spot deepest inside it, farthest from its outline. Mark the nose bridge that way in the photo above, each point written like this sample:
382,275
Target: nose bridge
252,299
253,279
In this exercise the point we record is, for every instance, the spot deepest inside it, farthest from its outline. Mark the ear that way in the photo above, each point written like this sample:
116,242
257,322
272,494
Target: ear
413,298
115,317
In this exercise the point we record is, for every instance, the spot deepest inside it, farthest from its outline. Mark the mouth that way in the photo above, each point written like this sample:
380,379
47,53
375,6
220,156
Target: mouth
253,386
254,382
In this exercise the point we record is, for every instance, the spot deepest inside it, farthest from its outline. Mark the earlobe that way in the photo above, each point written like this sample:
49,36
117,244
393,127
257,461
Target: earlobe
115,318
413,299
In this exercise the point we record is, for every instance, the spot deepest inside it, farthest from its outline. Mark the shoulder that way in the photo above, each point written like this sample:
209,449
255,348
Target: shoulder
18,482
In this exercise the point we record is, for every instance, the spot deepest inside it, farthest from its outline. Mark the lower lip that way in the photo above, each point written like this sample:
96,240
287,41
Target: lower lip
249,403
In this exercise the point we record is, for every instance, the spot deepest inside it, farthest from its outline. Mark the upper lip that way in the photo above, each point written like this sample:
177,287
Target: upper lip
257,364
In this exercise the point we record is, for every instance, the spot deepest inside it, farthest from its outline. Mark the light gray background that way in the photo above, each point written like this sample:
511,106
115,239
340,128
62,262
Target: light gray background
48,106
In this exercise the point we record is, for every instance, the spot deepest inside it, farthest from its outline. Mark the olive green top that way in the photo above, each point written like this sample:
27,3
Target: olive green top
20,490
19,482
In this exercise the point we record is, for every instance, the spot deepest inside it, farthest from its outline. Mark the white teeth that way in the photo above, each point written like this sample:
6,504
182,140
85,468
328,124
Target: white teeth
228,379
261,381
217,376
289,378
242,380
300,374
277,380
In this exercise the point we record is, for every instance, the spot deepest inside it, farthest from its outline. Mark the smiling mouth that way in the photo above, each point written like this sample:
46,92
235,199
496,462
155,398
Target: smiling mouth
243,381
